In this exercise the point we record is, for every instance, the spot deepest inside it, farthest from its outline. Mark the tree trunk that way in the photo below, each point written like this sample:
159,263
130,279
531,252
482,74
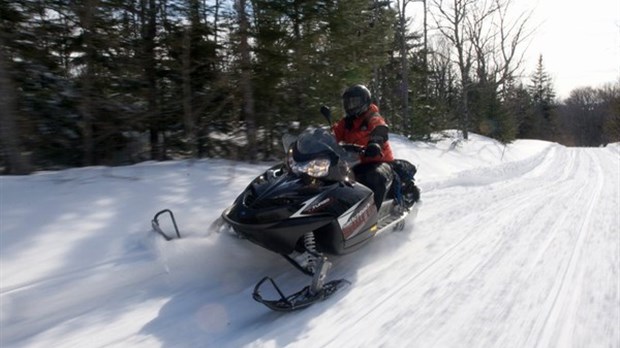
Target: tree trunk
465,110
455,32
86,102
463,62
404,71
246,80
149,30
188,112
9,131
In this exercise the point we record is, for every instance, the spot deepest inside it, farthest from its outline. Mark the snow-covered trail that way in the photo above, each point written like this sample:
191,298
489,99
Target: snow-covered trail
521,253
525,261
500,265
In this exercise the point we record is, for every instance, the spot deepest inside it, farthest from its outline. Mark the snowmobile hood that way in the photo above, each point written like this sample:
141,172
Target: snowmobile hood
270,198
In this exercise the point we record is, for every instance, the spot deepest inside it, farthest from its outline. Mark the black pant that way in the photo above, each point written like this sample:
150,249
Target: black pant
377,177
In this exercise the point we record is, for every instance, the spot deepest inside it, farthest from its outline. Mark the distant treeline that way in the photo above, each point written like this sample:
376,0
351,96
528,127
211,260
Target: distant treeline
110,82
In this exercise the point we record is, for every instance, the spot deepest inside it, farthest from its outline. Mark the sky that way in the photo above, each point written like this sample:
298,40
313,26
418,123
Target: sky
512,246
579,40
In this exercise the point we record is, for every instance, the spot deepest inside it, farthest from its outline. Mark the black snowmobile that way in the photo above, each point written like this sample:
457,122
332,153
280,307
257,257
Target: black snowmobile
310,206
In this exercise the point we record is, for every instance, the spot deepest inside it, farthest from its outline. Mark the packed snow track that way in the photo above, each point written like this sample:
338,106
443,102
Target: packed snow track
522,250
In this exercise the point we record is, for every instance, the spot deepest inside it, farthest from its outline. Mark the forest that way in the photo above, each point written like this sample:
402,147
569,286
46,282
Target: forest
116,82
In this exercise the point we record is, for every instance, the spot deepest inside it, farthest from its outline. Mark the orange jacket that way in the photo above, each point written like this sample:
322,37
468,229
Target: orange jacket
360,133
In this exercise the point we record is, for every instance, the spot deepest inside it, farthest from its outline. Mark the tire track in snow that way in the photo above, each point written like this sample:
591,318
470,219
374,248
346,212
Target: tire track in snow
529,209
517,289
559,294
523,184
450,254
489,175
520,191
522,287
558,223
557,187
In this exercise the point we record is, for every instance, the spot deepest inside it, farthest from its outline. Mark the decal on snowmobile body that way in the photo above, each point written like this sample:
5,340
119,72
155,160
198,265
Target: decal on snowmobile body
315,208
342,220
304,210
351,224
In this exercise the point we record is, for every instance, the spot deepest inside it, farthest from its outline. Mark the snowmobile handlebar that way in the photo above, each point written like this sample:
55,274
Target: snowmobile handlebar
353,148
357,149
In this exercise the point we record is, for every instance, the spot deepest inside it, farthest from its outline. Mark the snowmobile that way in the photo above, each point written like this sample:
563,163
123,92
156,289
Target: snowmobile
310,206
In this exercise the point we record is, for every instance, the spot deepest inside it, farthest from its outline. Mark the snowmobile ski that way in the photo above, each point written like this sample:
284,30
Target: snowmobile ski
299,300
317,291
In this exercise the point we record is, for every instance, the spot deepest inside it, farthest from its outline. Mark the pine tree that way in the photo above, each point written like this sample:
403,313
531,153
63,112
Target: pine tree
12,150
543,95
96,77
490,116
307,52
518,103
37,49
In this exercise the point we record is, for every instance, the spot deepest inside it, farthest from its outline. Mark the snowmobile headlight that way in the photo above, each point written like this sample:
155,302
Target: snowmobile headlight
316,168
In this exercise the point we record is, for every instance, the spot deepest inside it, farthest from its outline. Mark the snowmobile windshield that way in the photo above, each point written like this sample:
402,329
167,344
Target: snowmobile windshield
315,143
313,153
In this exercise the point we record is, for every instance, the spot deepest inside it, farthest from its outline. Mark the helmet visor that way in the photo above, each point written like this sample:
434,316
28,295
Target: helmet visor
353,105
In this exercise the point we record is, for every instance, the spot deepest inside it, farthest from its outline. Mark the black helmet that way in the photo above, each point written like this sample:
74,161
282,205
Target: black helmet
356,100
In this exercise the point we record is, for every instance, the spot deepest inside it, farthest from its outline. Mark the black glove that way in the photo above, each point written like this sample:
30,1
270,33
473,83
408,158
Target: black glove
373,150
325,111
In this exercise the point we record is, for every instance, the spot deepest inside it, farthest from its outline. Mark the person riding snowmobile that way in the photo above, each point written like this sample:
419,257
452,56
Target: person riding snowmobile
364,126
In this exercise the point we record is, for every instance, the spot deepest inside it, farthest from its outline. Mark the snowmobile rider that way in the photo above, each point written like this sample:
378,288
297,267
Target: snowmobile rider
364,126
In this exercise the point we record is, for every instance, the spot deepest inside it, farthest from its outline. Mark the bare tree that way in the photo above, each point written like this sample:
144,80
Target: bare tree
589,113
452,24
610,94
444,76
513,34
483,37
497,41
585,116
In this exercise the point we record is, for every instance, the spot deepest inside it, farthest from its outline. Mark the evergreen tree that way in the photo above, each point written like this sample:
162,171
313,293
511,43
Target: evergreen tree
307,52
12,151
518,104
543,95
188,77
111,81
492,118
423,118
37,48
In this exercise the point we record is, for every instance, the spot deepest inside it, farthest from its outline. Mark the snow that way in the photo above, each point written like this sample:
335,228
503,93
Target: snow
513,246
